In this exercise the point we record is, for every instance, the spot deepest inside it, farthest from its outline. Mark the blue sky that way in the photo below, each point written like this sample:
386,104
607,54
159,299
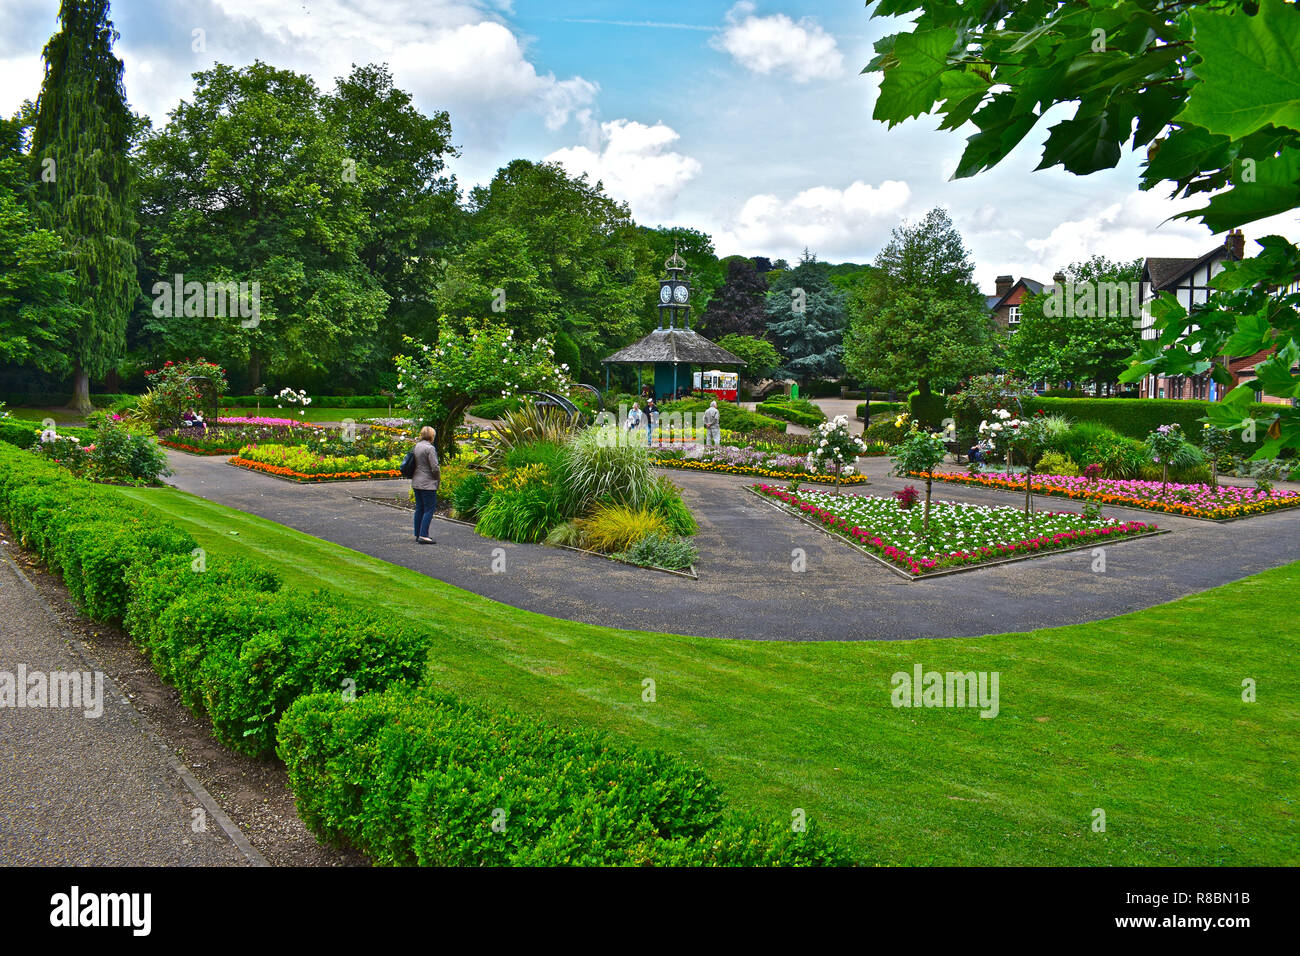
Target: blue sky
748,120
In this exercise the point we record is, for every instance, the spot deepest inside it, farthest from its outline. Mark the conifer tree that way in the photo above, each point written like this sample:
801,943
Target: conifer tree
80,163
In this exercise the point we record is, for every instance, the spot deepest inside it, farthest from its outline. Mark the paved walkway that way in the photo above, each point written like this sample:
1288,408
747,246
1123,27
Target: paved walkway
87,791
747,588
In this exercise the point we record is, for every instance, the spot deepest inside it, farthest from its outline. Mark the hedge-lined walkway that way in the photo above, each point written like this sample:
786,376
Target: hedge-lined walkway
87,791
747,588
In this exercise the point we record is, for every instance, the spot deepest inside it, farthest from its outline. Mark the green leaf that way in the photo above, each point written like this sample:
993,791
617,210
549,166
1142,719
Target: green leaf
1084,144
913,84
1253,333
1274,376
1264,188
1001,129
1249,75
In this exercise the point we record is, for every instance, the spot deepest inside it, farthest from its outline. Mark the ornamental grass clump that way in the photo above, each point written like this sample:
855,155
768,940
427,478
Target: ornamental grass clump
614,528
601,465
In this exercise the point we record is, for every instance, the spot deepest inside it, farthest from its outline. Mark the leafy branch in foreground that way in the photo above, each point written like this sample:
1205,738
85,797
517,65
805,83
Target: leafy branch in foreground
1208,87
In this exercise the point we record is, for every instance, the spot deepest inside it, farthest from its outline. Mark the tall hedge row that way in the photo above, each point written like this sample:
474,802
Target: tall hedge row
24,434
1138,417
407,775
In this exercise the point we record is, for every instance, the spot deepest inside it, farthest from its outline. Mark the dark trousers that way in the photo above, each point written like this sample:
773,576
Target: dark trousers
426,502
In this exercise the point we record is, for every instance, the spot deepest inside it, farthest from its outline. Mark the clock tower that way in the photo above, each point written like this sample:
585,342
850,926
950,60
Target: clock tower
675,295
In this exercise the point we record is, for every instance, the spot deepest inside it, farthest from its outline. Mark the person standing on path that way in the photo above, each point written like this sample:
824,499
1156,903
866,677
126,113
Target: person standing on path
651,420
712,433
425,481
633,419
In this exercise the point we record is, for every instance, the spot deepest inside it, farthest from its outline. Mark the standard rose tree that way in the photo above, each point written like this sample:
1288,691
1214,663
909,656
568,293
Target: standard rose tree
836,449
920,453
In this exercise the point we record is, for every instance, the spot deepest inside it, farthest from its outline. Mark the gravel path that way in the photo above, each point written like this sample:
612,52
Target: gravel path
88,791
748,588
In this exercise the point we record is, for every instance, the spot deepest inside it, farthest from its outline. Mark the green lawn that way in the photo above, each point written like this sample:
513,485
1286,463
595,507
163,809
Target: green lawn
61,416
315,414
1140,716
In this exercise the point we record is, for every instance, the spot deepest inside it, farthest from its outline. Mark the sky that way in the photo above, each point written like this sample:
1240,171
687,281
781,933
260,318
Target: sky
750,121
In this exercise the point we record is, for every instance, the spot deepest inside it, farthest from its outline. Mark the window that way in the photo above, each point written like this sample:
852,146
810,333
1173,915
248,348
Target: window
1013,315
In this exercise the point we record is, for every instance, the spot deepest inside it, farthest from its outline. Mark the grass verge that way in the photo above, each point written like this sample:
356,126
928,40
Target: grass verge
1140,716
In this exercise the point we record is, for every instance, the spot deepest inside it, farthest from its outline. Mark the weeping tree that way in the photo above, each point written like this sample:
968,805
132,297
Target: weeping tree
85,193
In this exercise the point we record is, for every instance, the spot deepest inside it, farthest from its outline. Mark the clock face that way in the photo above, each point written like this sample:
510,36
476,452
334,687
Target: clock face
665,294
681,293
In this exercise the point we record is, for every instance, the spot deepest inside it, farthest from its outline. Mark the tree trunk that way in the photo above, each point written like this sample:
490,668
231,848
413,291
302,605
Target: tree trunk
1164,477
1029,486
1214,471
254,367
923,389
80,402
925,522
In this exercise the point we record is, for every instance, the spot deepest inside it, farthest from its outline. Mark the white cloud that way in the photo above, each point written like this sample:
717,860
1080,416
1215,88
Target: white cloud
1135,227
831,222
635,163
458,55
777,44
480,72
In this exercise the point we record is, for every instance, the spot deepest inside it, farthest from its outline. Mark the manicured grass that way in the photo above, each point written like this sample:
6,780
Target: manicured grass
1140,716
61,416
317,414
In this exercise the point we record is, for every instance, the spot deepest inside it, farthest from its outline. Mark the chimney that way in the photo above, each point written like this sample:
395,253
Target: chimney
1059,278
1236,244
1002,285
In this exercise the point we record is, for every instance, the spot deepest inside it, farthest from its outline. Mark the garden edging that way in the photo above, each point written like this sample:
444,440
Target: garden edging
945,572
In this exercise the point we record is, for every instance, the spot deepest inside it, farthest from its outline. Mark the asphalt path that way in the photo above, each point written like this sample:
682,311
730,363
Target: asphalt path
87,785
748,585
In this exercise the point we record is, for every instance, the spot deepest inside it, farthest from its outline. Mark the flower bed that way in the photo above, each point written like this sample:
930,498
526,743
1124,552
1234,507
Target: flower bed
960,534
300,464
265,422
1193,501
231,434
723,467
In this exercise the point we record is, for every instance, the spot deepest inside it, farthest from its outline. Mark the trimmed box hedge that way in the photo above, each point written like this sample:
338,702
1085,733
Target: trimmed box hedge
24,433
799,411
879,407
424,778
1138,417
409,776
731,417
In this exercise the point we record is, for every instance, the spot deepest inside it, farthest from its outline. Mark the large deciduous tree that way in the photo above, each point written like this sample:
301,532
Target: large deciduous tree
36,316
249,183
918,317
80,158
398,156
1082,332
1207,88
546,252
